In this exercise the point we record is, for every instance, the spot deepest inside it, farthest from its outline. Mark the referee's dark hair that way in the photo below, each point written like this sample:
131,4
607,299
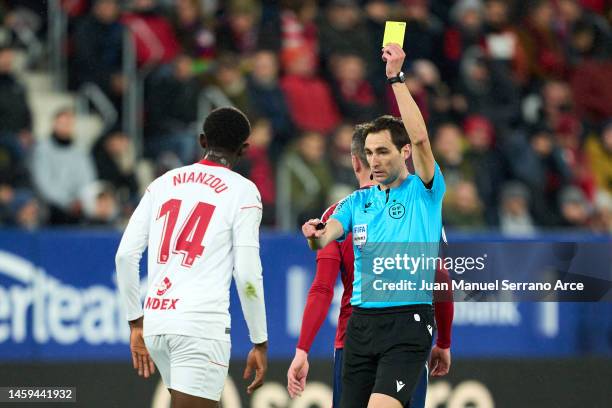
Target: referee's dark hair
226,128
394,125
358,144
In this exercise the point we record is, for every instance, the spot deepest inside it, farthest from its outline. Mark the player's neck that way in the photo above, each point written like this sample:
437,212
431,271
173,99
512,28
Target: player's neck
219,158
364,179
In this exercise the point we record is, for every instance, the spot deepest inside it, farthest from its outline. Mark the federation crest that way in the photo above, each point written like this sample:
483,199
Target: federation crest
397,211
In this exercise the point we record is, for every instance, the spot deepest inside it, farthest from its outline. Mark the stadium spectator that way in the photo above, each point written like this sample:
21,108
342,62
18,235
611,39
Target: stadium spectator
15,116
13,170
304,181
309,97
598,149
514,216
575,209
114,157
466,32
592,90
171,102
100,205
462,209
354,94
61,170
502,39
486,163
424,36
232,82
268,99
341,31
193,30
448,146
544,48
256,166
342,166
569,134
539,163
155,40
238,32
440,106
298,24
293,27
574,19
98,50
557,101
488,89
19,208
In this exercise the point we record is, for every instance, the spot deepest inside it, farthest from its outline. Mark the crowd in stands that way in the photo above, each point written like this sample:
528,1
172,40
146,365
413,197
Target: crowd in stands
517,96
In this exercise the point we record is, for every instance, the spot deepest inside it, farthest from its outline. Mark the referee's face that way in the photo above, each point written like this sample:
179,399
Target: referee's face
385,160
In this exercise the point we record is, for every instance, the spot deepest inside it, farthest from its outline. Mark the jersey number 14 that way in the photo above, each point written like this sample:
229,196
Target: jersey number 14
191,235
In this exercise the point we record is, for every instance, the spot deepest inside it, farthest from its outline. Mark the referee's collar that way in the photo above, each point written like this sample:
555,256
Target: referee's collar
396,187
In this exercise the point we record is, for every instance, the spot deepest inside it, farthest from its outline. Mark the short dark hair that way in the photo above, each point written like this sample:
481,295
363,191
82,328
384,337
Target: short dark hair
394,125
226,128
358,143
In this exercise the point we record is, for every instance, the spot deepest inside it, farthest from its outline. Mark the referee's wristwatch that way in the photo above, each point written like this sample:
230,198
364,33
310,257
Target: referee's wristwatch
399,78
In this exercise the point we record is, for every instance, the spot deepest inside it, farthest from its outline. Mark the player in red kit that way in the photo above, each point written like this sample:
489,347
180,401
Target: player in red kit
338,257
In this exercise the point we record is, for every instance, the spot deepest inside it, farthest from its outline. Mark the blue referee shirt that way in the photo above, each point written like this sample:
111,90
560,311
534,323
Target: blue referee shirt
408,213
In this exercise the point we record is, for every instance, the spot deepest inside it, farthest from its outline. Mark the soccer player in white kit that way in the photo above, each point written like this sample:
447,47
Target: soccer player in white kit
201,224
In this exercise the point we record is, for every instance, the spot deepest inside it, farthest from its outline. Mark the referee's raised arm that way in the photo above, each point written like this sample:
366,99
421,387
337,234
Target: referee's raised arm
422,156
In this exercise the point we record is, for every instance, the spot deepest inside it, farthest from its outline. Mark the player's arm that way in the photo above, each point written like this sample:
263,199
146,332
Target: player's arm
422,155
440,359
319,299
249,284
127,259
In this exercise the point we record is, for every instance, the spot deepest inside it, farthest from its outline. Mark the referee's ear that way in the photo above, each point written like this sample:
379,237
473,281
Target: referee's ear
406,151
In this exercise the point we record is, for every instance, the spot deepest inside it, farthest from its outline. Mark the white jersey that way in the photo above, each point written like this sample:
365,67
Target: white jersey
193,220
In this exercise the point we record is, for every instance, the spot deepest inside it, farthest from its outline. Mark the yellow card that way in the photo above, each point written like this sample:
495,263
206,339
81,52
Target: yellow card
394,33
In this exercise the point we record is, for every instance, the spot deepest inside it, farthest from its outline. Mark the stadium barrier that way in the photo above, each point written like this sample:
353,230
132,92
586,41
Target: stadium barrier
474,383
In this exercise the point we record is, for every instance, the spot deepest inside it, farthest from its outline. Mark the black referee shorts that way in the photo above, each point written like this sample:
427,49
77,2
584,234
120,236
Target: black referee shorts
385,352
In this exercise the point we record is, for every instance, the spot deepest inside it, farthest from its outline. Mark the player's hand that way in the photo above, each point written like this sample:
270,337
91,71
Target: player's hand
309,229
141,360
439,361
258,361
297,373
394,56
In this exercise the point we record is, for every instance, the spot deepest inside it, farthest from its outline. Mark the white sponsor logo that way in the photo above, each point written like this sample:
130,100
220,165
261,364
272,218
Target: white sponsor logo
399,384
41,307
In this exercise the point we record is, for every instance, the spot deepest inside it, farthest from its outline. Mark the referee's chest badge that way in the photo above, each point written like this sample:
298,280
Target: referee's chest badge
360,235
396,211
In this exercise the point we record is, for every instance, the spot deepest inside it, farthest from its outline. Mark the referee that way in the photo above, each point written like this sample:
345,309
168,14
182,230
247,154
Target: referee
388,343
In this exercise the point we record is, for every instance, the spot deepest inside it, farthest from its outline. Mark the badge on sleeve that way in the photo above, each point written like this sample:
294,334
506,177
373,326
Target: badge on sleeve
360,235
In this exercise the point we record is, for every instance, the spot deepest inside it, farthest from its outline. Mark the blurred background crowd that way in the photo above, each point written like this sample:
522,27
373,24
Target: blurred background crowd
517,96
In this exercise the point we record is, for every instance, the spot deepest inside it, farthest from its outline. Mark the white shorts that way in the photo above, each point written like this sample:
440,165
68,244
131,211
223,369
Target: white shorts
191,365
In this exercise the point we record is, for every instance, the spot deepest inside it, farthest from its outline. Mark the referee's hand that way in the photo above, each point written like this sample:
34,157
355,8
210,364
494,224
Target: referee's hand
439,361
310,231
